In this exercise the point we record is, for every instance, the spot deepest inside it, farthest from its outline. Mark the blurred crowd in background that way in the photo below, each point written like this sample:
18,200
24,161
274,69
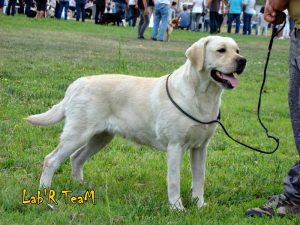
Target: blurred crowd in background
214,16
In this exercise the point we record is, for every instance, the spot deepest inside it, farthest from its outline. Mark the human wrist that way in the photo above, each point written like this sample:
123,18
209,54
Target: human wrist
278,5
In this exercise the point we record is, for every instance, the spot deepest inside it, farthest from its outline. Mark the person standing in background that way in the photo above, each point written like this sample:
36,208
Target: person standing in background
150,7
286,29
80,10
161,14
132,13
235,10
100,9
262,24
247,15
144,17
197,12
63,4
1,6
221,14
11,7
41,6
214,7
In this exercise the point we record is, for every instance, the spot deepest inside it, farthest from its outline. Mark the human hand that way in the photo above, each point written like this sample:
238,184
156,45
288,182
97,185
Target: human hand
273,16
273,13
269,13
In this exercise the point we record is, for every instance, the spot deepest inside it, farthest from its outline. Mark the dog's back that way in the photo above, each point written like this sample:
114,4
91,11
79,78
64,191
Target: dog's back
111,18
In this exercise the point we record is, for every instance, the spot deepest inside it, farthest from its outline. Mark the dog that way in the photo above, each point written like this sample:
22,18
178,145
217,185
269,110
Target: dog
96,108
114,18
174,23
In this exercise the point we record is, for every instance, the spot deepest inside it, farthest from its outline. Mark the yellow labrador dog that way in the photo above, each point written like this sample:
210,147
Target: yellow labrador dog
96,108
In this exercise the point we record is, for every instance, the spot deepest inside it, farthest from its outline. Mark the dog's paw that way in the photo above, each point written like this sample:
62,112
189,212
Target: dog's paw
201,205
200,202
177,206
77,175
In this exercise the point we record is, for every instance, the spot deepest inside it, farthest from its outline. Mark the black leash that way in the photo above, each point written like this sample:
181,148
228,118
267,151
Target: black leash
274,34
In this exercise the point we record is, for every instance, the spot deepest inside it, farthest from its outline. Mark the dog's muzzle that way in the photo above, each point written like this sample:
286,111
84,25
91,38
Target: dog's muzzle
241,64
228,80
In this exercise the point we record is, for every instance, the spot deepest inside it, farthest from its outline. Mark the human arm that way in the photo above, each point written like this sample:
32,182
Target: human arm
244,5
272,7
146,12
208,3
223,7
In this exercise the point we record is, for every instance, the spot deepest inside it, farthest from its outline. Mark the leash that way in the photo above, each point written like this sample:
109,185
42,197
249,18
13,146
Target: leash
218,120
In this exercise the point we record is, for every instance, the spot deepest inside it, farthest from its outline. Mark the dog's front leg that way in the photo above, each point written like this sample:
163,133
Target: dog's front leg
198,156
174,157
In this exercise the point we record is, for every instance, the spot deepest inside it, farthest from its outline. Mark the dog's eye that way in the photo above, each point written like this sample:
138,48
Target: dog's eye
221,50
238,51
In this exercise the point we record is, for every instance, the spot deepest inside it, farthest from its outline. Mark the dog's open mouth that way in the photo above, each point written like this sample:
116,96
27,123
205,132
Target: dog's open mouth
228,81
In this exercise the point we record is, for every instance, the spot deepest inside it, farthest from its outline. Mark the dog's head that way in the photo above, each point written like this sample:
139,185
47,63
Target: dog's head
219,59
175,21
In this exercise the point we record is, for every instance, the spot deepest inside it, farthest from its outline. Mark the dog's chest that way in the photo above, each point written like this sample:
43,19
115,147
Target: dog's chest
197,134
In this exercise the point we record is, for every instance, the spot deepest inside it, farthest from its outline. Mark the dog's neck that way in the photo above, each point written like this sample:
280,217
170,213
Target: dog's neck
196,92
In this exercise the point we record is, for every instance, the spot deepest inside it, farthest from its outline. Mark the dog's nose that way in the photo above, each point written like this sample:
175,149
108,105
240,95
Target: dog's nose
241,63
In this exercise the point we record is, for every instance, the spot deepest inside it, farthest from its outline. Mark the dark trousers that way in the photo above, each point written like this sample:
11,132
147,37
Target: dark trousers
63,5
132,15
21,7
232,17
213,22
247,23
143,24
220,21
11,7
80,11
292,180
28,6
100,8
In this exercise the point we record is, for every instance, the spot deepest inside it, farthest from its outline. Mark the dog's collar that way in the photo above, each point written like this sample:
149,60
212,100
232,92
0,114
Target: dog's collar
184,112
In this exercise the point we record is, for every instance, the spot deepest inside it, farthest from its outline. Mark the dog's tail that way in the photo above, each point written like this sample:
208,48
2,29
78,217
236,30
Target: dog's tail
52,116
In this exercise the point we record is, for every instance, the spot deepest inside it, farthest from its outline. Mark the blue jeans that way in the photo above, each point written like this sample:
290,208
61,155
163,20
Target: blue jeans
232,17
80,10
195,21
161,13
65,5
247,23
132,15
120,7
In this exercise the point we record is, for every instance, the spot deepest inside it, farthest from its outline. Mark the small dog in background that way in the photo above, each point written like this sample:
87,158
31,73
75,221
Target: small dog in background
174,23
114,18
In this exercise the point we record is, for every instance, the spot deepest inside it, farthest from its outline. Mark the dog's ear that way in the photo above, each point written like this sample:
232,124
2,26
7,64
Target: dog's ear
196,53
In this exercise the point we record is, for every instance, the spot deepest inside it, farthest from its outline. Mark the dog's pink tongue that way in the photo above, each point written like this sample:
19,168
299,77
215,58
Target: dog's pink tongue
231,79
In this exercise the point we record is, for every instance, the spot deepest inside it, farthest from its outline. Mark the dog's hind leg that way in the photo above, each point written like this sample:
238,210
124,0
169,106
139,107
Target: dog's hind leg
78,158
72,138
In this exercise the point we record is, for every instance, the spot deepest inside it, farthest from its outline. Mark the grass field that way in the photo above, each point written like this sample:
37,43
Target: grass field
40,58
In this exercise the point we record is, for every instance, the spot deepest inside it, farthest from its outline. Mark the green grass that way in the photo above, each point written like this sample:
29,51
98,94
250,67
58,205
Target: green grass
40,58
